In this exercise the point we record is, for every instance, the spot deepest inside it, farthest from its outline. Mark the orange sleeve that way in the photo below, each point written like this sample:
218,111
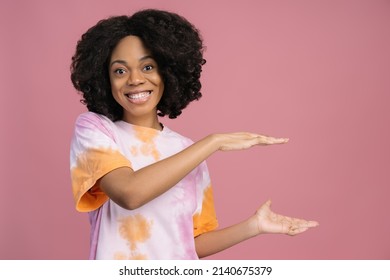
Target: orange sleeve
206,220
90,167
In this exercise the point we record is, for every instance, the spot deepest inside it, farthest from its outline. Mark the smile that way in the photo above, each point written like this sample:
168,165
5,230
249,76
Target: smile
139,95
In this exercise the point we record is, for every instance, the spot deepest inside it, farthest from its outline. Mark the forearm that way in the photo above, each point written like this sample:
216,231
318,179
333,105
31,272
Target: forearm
133,189
215,241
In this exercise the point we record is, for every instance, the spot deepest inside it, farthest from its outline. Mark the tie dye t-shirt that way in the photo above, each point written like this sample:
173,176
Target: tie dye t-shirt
165,227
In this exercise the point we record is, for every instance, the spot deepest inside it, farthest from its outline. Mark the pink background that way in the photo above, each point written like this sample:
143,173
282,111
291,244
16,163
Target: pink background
317,72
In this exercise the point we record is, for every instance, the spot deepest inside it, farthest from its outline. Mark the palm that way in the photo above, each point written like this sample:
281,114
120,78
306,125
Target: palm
270,222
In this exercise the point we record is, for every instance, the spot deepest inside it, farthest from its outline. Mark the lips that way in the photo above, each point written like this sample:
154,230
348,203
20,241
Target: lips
139,96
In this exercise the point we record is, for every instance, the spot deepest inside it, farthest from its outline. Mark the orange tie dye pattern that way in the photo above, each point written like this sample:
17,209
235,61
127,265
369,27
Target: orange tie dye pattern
206,220
147,137
135,229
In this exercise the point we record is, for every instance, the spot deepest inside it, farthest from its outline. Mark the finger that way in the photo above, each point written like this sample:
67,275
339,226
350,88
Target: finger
303,223
311,224
266,208
267,140
295,231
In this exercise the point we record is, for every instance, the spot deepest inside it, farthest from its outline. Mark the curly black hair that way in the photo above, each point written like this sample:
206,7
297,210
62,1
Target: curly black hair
175,44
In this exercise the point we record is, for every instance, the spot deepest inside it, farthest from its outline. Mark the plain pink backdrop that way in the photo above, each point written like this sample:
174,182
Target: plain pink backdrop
317,72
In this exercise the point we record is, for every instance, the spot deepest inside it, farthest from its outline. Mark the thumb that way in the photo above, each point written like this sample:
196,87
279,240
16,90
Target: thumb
268,203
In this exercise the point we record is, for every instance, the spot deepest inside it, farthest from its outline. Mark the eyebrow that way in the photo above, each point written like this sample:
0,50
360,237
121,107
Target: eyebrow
124,62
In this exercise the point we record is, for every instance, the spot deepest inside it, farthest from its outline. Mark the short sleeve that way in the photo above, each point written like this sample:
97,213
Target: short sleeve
205,218
94,152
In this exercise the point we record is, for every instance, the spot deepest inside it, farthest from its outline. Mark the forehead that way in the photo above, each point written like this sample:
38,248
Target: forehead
130,47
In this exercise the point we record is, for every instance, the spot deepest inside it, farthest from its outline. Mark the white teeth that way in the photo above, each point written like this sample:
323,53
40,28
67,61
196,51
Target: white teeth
139,95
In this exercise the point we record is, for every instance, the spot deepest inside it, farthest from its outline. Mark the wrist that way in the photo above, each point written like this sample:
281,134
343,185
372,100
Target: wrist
253,226
215,141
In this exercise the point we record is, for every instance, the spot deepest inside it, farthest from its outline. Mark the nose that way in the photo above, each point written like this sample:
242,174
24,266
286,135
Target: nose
136,77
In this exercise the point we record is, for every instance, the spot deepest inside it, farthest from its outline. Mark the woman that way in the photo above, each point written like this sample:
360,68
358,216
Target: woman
147,188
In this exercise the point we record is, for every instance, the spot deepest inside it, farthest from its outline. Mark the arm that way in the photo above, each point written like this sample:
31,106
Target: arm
131,189
263,221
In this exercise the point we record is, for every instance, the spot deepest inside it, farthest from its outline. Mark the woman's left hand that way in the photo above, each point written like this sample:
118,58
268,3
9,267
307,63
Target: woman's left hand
270,222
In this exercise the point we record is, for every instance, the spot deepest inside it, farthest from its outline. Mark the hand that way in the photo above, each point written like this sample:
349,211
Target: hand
270,222
245,140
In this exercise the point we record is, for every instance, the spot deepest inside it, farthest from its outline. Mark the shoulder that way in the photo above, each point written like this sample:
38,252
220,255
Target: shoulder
91,120
94,126
91,117
176,135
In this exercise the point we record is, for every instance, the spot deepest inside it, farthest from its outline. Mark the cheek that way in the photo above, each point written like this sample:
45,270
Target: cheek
159,82
116,85
156,79
162,87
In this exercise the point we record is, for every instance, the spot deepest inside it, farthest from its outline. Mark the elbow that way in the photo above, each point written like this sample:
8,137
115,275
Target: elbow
126,202
129,200
132,206
132,203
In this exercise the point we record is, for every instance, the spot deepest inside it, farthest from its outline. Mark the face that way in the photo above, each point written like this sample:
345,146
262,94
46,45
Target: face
136,83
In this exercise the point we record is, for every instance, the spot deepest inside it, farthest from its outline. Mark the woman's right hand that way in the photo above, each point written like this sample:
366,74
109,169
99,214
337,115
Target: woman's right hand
245,140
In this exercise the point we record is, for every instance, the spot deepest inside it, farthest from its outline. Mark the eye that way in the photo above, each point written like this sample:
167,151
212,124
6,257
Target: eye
120,71
148,68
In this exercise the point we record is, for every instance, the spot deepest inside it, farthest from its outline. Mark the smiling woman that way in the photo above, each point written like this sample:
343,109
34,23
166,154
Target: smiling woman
140,181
